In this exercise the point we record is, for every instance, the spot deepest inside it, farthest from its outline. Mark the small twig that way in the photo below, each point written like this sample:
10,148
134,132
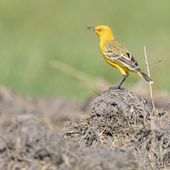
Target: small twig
150,85
156,62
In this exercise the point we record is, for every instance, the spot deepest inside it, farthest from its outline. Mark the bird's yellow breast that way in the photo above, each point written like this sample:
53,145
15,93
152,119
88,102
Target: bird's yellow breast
122,69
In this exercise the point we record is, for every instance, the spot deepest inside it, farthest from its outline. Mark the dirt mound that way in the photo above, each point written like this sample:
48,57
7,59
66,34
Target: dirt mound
119,133
52,110
122,121
30,145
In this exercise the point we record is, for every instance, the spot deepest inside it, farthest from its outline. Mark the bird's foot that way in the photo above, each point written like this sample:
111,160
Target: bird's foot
117,87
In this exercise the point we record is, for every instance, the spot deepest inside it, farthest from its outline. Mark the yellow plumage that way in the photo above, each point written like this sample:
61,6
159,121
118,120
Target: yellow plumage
116,54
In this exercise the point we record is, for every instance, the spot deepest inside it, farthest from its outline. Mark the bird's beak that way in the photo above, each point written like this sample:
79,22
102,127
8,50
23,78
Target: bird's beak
91,28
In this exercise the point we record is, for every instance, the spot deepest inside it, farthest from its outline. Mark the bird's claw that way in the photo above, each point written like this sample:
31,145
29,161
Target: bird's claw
116,87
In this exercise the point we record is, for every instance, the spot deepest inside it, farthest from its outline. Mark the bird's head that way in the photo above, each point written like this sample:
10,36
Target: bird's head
103,31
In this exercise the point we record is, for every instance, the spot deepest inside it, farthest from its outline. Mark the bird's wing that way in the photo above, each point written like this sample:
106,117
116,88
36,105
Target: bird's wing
117,53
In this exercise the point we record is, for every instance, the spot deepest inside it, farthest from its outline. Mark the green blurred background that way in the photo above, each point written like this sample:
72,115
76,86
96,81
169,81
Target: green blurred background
34,32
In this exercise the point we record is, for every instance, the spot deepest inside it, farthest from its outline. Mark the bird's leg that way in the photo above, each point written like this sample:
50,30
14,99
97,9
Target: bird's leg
120,82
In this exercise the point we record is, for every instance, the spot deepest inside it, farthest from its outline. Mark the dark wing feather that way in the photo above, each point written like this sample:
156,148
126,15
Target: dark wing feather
117,53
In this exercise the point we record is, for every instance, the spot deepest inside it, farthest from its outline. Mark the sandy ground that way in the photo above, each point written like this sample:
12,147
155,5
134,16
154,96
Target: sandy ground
114,130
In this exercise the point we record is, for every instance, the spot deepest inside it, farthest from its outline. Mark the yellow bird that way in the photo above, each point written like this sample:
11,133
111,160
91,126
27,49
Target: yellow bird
117,55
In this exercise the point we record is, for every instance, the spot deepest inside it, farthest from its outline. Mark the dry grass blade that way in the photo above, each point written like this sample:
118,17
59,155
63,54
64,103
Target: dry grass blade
87,79
152,123
150,85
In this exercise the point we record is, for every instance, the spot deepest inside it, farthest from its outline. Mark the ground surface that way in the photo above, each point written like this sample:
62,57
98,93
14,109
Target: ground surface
116,131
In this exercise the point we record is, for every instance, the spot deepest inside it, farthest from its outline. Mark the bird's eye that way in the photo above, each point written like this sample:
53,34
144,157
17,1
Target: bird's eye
99,30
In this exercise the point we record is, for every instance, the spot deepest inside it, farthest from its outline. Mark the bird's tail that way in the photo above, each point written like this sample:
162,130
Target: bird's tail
145,77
